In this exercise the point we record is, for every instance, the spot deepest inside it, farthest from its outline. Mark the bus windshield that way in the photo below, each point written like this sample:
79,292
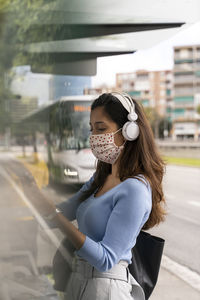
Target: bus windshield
70,125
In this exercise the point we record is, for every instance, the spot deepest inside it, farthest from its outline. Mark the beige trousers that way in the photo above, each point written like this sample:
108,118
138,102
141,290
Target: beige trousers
87,283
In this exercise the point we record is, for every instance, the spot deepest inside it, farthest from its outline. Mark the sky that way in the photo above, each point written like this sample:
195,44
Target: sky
159,57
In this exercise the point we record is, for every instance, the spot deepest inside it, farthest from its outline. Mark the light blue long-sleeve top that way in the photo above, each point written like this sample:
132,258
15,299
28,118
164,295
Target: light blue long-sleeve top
111,222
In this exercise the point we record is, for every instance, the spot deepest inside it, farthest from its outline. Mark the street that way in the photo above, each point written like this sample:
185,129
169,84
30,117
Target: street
181,228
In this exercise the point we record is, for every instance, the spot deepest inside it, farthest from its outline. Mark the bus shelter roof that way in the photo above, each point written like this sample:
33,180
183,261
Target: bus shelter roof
66,37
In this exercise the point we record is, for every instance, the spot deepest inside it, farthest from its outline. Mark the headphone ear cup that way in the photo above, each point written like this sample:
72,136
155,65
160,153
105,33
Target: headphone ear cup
130,131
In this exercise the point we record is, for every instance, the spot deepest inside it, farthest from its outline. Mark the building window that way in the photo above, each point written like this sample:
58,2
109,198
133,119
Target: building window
168,92
185,53
145,102
142,76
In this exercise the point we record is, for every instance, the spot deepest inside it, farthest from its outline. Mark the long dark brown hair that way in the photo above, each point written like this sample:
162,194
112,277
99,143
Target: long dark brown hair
140,156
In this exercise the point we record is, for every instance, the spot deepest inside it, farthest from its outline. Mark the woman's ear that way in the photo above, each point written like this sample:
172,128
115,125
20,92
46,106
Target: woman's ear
121,139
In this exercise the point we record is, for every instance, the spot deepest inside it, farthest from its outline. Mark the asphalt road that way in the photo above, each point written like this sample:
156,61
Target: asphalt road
182,226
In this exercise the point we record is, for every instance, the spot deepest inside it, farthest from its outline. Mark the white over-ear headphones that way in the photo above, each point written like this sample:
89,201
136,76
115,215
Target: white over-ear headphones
130,130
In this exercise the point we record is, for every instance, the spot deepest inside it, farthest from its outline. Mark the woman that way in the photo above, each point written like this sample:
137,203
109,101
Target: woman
122,197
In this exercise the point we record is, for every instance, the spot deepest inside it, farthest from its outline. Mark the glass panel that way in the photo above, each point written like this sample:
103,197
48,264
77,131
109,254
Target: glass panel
48,52
180,61
135,93
145,102
168,92
184,99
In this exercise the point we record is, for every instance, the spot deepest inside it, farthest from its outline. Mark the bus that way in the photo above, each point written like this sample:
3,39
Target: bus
70,159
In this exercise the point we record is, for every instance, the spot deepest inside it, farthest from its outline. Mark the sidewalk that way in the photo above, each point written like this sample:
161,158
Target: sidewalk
170,287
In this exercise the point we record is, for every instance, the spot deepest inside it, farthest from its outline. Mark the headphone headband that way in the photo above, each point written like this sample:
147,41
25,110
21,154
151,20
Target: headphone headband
130,129
123,99
127,103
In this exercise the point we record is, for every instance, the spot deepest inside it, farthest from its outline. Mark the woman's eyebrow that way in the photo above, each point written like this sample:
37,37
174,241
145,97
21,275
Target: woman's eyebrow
98,122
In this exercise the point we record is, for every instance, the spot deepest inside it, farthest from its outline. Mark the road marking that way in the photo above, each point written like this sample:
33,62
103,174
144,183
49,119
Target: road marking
52,236
184,273
16,179
25,218
195,203
185,218
169,196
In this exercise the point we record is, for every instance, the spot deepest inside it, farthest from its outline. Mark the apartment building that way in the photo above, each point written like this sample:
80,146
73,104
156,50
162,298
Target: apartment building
99,90
150,88
186,98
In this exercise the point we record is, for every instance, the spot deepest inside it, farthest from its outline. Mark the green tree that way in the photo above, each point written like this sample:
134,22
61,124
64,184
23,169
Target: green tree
18,18
154,119
158,123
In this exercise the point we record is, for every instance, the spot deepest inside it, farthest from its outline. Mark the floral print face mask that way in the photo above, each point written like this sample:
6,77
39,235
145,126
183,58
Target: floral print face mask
104,148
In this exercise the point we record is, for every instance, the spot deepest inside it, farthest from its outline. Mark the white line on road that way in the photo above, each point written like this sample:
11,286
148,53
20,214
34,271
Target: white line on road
195,203
185,218
191,277
38,217
169,196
